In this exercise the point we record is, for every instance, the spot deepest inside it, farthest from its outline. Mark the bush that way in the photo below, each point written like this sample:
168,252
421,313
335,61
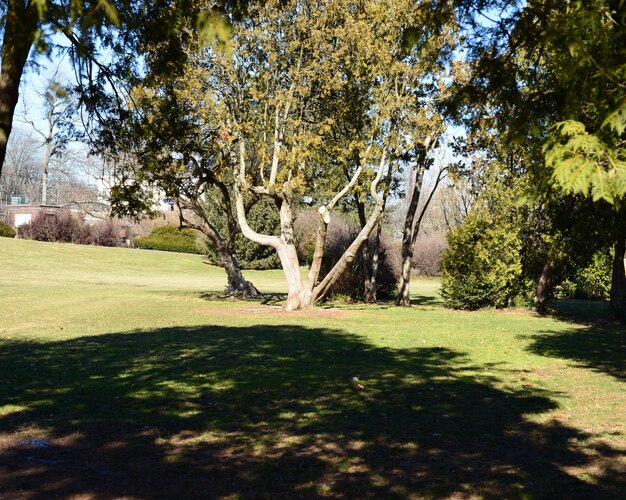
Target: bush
594,281
340,235
263,218
482,265
6,231
107,234
590,282
60,227
428,253
170,239
64,227
305,231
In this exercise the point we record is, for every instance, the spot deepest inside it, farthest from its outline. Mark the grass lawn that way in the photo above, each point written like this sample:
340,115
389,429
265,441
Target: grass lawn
123,374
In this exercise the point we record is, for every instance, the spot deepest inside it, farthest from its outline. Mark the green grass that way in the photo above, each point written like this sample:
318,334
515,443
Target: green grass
123,374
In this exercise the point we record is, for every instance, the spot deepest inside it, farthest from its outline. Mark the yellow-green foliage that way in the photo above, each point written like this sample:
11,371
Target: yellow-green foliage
170,239
585,163
590,282
6,231
482,264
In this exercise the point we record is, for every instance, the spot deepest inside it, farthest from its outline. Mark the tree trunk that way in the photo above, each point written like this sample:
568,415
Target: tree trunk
44,179
618,280
369,288
543,286
371,265
19,33
289,256
237,285
408,238
291,268
316,263
345,261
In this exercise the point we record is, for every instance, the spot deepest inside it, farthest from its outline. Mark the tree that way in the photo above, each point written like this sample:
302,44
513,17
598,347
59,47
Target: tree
412,220
279,98
483,264
550,72
21,176
184,161
59,106
27,24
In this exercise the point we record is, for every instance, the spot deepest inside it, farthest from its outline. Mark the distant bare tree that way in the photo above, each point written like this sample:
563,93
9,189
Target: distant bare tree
59,106
21,175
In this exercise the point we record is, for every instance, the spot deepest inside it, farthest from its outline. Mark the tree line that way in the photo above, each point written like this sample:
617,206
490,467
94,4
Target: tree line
328,104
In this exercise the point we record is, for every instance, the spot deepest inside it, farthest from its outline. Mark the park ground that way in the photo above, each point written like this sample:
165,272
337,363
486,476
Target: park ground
125,374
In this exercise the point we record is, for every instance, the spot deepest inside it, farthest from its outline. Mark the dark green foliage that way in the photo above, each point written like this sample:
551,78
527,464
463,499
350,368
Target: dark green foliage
482,265
590,282
263,218
6,231
64,227
170,239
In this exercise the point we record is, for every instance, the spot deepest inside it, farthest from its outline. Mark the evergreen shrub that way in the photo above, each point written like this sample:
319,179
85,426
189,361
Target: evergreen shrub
263,218
482,264
170,239
6,231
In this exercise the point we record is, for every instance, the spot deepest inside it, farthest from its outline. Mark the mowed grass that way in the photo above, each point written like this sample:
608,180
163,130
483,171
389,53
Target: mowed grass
124,374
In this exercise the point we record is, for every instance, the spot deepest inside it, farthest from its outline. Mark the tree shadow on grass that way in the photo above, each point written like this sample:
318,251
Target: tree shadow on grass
581,311
600,347
274,412
427,300
596,340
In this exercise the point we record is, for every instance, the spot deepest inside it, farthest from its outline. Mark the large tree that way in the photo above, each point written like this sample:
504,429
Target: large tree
550,73
279,93
183,160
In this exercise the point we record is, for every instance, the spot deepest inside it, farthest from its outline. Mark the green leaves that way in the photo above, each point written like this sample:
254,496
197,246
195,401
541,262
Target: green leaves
482,265
616,121
77,9
589,164
41,6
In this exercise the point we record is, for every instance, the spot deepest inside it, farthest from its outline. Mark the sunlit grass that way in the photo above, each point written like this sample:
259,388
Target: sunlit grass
134,344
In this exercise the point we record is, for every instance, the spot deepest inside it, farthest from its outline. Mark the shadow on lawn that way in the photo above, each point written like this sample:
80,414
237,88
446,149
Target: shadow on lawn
427,300
596,341
273,412
600,347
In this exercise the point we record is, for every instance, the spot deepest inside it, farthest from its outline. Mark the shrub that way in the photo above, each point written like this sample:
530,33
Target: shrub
106,234
594,281
64,227
170,239
428,253
482,265
263,218
6,231
590,282
340,235
305,231
61,227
